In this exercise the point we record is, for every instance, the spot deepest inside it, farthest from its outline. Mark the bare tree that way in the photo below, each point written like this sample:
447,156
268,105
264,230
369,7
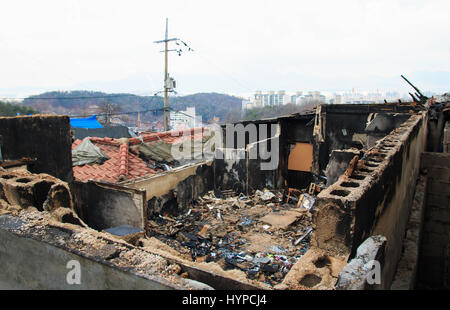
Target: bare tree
106,109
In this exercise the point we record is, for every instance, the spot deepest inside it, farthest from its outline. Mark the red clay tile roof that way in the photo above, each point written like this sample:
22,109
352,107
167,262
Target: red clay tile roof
122,163
171,137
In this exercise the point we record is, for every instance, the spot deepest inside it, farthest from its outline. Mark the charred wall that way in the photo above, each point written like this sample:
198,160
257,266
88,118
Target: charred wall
434,258
103,206
179,198
346,126
406,273
230,169
374,197
256,166
239,135
46,138
261,178
40,235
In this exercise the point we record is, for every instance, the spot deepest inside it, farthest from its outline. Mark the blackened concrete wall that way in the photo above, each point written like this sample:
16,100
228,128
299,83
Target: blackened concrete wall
230,169
343,126
175,190
104,206
167,181
44,137
434,259
446,138
180,196
257,166
298,128
338,164
375,199
406,274
264,170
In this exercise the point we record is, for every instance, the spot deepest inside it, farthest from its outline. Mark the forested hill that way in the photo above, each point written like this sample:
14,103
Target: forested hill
13,109
208,105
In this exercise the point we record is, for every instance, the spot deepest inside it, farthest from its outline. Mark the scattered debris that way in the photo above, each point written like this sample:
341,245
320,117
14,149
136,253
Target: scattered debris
259,235
314,189
293,194
306,234
128,233
351,166
281,219
266,195
307,201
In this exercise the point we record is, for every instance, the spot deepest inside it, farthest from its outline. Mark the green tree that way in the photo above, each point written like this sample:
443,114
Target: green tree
10,109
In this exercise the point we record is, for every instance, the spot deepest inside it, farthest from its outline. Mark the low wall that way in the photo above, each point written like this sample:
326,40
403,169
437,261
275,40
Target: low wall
40,234
406,274
102,205
163,183
434,259
35,255
174,190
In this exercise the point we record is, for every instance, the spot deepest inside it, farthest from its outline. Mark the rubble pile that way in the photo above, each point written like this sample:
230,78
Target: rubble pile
261,235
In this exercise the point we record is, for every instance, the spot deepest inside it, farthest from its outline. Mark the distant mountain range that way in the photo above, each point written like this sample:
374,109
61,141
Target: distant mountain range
86,103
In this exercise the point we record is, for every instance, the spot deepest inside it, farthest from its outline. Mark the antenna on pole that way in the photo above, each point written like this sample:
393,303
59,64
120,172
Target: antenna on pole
169,83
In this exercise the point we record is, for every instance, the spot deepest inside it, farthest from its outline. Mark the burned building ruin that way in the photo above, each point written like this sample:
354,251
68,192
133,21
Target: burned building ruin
352,183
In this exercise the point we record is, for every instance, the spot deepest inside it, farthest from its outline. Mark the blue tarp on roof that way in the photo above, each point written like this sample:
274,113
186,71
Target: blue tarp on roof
90,122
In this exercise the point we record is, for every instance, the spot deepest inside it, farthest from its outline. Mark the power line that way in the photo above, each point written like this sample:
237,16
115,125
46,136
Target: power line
76,98
109,96
131,112
169,83
117,113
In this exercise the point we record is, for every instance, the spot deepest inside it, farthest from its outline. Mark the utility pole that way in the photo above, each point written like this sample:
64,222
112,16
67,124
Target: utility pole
169,83
166,77
108,112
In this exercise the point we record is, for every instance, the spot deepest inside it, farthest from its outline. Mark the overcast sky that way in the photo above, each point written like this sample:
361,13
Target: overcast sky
239,45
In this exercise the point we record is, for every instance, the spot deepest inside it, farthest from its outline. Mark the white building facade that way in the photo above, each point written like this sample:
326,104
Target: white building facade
183,119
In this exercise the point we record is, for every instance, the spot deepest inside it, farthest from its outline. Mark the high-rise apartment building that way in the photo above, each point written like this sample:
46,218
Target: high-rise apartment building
183,119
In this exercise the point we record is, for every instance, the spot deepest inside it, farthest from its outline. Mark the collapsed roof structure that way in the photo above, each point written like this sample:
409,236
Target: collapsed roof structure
303,201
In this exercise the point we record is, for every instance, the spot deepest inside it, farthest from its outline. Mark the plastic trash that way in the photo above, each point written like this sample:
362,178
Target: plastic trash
265,196
248,258
246,222
307,201
308,231
261,260
277,249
